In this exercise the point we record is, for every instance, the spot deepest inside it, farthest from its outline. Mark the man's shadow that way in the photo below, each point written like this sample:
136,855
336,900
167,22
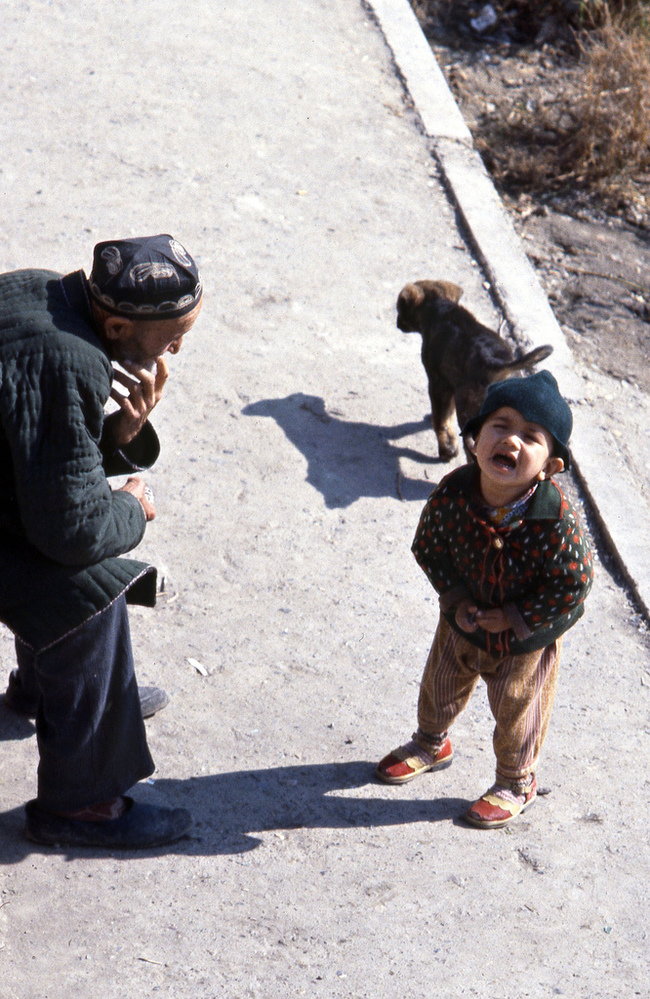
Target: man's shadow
346,460
230,808
13,725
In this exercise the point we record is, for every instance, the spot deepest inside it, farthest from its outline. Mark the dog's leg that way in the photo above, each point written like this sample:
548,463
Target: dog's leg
443,415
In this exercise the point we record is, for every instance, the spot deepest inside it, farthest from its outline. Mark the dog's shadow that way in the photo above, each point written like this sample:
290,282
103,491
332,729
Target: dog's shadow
347,460
230,808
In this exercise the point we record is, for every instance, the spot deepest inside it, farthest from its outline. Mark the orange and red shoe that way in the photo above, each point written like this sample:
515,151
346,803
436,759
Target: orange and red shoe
415,758
502,803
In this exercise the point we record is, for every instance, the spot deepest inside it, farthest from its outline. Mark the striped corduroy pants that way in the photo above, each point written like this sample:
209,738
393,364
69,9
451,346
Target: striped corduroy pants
521,691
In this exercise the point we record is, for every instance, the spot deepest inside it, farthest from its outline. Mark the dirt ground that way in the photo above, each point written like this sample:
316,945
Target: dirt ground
296,458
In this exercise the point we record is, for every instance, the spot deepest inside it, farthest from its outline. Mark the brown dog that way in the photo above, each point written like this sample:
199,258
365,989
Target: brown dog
460,356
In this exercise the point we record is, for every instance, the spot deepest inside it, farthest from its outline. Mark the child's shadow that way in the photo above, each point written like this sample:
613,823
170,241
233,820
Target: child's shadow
346,460
228,807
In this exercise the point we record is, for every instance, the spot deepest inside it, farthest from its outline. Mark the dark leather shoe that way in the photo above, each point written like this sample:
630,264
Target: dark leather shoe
141,826
152,700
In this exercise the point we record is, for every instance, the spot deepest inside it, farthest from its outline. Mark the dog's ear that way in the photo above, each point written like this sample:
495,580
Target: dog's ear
444,289
410,297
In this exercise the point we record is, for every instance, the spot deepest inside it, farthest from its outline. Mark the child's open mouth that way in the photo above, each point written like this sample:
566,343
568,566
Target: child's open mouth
504,460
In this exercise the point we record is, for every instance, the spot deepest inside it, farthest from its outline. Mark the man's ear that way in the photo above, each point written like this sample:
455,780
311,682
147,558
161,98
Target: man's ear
112,327
552,467
117,328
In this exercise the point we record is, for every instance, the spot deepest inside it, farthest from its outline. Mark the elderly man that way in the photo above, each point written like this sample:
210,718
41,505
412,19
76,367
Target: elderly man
63,589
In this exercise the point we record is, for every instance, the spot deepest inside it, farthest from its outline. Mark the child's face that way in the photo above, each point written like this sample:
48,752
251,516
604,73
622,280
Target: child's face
512,454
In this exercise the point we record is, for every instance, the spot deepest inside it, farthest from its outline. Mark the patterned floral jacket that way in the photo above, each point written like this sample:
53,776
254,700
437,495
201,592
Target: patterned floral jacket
539,568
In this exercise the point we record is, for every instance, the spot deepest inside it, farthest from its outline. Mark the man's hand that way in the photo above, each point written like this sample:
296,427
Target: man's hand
144,391
142,493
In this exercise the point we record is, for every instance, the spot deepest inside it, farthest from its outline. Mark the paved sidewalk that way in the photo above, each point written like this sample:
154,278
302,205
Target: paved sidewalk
278,143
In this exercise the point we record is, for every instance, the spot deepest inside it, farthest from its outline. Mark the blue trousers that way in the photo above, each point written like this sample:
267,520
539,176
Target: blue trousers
91,738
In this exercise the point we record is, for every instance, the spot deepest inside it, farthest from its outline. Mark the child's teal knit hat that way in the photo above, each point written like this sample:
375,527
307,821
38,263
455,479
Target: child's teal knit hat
538,399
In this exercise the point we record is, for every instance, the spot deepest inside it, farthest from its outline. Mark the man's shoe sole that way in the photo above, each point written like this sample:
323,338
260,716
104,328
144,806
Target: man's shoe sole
142,826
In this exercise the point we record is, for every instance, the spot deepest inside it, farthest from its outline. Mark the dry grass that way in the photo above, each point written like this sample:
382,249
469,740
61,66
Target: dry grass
634,13
608,132
595,133
585,131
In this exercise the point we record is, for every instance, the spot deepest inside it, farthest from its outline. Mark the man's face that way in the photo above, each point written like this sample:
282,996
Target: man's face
144,341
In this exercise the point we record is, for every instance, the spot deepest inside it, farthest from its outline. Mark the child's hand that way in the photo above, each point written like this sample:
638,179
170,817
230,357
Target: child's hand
466,613
493,620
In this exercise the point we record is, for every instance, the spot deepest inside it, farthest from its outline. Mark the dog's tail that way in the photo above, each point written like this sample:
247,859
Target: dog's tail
530,359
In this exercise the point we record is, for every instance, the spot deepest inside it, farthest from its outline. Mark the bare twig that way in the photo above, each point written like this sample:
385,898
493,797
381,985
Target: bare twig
610,277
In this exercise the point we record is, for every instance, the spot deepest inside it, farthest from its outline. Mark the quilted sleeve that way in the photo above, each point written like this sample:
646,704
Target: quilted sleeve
53,426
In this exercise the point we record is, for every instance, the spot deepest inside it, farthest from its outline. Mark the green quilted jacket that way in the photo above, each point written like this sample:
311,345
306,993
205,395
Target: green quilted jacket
61,525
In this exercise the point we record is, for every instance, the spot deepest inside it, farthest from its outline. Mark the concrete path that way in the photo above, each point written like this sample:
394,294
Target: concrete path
278,142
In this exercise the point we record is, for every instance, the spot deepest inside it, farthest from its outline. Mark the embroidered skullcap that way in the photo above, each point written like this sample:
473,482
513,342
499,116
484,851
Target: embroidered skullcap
147,277
538,400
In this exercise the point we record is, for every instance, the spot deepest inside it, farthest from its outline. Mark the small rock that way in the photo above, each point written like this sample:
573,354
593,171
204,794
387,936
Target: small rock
485,20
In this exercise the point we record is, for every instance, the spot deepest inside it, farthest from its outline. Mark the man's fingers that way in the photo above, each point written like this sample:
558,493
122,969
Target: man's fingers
132,405
143,493
124,379
151,379
162,374
123,401
148,504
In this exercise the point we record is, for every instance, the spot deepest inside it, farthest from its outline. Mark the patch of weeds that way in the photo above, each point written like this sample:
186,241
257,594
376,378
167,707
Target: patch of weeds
589,131
594,135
